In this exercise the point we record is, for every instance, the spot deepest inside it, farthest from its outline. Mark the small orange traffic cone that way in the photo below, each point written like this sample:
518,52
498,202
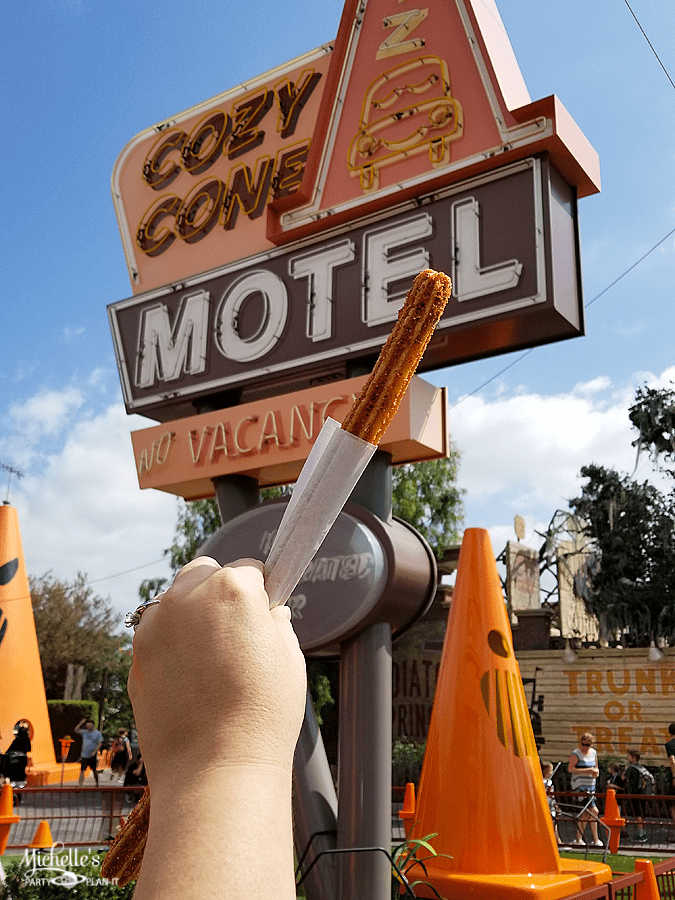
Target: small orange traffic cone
648,888
42,839
481,790
407,811
612,819
7,817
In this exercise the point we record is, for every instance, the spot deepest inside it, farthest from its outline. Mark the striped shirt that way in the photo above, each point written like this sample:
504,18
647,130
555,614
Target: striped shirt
586,760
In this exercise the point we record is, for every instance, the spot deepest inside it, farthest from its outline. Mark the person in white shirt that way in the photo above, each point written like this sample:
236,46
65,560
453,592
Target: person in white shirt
583,767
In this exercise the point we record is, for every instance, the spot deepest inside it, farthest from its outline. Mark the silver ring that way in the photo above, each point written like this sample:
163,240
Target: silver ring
132,619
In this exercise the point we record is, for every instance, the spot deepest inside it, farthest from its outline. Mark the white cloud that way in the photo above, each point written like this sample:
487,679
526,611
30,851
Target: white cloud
70,332
85,512
44,414
522,454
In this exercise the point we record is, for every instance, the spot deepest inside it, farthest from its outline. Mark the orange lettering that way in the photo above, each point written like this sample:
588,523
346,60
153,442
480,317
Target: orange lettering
615,688
603,740
667,681
625,738
634,711
573,682
614,710
594,682
645,680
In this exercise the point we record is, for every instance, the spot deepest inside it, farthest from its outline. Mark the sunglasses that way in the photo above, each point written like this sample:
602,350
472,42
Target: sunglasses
584,744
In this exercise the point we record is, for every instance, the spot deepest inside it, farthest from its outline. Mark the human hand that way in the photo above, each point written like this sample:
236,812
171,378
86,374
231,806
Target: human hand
217,677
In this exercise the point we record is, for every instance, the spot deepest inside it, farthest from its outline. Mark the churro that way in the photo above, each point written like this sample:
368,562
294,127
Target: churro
122,862
368,419
376,406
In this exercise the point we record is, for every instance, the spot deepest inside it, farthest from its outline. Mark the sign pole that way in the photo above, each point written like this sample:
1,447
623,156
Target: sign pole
364,805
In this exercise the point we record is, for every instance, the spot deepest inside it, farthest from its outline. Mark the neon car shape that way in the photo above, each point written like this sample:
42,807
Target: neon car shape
405,111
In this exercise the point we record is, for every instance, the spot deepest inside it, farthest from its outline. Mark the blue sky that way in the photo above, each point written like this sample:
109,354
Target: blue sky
80,79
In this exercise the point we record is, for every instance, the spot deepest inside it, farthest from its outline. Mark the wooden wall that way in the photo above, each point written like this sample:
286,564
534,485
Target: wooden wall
623,698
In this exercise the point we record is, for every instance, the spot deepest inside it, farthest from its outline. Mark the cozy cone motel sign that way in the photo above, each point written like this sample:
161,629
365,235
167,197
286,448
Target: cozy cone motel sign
271,233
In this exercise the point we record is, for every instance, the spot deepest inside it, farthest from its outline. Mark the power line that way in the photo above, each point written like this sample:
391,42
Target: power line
586,305
650,43
127,572
630,268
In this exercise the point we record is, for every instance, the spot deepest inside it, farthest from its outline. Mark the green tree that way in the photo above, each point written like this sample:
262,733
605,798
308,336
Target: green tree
74,625
632,527
653,414
427,497
197,521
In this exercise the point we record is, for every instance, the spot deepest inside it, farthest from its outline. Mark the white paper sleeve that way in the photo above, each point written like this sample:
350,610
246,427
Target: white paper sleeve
334,465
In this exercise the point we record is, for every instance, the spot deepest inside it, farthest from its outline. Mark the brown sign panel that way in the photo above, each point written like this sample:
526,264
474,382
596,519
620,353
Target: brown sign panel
365,571
284,318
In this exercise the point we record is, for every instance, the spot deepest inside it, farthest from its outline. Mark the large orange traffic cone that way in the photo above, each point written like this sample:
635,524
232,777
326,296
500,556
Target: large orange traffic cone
22,690
613,819
42,839
481,788
7,817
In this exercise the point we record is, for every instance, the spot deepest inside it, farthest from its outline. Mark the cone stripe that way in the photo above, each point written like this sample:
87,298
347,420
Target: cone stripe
516,724
499,709
485,691
8,570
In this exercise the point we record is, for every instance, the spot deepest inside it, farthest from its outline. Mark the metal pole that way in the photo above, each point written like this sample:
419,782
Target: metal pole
364,765
364,806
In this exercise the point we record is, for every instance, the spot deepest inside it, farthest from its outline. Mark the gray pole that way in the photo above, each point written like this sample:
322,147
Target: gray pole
364,806
314,810
364,769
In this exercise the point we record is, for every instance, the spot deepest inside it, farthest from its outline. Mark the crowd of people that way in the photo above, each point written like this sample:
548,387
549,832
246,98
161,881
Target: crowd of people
129,769
631,781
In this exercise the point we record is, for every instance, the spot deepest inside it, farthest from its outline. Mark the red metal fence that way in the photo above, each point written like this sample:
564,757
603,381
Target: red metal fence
76,816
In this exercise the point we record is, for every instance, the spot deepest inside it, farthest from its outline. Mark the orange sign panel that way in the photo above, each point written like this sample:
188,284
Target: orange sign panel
408,100
270,440
192,192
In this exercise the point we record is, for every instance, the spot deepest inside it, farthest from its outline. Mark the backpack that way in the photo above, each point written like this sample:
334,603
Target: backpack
646,779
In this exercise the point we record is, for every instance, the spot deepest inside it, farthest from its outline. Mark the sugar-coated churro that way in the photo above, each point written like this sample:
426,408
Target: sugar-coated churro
122,862
382,393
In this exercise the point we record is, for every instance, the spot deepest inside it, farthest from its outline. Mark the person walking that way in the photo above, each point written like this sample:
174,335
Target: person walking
91,744
637,778
583,767
121,755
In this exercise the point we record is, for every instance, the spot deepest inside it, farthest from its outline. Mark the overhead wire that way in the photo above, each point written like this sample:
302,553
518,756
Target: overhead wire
653,49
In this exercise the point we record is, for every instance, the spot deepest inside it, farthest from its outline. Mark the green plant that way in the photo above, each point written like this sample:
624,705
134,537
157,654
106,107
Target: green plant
404,857
406,760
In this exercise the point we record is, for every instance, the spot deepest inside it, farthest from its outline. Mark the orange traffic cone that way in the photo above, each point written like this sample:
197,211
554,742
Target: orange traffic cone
648,888
612,819
481,788
42,839
7,817
407,812
22,690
